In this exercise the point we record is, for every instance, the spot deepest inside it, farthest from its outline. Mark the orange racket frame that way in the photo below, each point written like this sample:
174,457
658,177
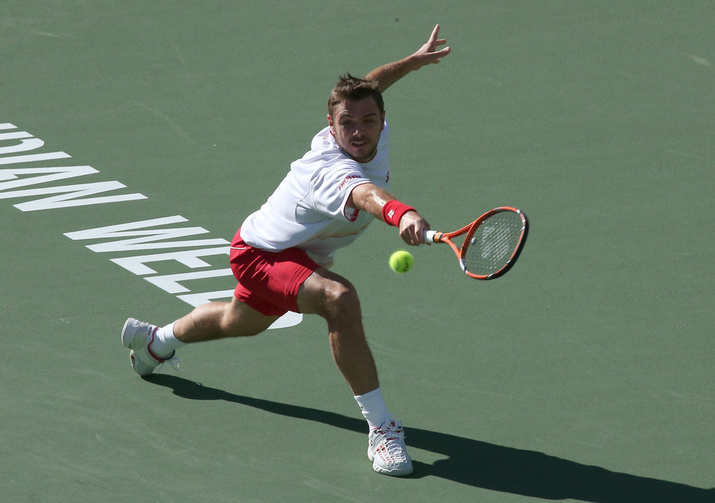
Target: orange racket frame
469,230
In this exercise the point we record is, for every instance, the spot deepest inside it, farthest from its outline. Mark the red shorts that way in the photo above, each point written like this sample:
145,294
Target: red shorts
269,281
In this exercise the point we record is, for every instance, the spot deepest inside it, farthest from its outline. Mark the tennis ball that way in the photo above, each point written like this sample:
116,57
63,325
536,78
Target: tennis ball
401,261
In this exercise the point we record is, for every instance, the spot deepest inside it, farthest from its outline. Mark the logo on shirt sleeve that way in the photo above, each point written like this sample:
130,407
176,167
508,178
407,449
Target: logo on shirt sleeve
347,179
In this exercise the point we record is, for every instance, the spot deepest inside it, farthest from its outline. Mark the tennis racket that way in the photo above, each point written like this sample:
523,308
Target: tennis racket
491,245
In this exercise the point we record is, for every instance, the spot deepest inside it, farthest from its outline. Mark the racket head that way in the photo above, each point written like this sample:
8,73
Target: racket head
493,243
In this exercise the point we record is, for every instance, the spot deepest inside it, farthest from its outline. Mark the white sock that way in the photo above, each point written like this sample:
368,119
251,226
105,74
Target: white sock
165,342
373,408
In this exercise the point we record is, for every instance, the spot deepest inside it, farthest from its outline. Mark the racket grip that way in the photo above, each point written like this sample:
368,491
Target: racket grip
429,237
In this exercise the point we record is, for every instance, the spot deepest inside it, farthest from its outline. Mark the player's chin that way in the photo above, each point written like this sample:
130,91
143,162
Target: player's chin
362,153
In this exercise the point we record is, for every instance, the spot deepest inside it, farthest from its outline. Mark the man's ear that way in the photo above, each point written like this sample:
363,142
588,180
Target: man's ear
332,125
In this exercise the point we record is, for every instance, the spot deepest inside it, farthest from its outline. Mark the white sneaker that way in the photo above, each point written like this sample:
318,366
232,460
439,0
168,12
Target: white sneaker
138,336
387,450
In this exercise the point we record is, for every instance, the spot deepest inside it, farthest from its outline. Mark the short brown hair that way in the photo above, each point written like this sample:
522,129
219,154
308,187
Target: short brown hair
353,88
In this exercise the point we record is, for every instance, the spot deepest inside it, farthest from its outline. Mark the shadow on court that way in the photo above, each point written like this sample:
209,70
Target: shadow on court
481,464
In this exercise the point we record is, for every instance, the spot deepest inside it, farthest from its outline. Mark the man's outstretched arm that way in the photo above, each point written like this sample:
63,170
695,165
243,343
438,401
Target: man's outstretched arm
373,199
388,74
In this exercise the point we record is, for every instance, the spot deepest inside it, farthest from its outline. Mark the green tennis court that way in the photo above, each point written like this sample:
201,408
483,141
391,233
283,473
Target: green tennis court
584,374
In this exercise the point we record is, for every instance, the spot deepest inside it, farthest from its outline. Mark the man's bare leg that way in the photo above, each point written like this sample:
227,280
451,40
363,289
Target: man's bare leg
218,320
333,297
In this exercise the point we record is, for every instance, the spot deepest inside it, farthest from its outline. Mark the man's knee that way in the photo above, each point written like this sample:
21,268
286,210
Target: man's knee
328,295
341,298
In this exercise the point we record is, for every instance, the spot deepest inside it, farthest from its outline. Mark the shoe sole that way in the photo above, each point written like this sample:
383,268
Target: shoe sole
124,333
385,471
129,344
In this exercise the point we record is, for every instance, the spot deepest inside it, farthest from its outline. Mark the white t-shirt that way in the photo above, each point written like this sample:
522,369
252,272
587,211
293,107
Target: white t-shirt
308,209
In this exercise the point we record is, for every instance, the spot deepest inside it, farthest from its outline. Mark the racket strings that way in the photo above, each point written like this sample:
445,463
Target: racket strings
493,243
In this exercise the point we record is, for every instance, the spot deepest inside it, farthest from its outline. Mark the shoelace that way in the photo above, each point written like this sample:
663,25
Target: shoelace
173,362
393,435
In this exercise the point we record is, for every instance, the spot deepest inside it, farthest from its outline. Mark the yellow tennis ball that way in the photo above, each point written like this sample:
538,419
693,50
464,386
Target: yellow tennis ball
401,261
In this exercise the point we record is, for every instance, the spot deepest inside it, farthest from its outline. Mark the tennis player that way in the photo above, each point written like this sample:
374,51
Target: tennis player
282,253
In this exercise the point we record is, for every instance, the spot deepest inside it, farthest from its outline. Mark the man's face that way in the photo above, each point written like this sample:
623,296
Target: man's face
356,126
